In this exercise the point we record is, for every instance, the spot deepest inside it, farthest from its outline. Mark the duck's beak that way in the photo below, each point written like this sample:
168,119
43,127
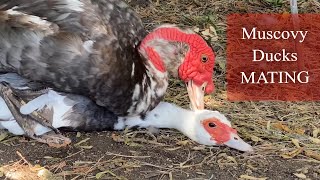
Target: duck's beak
237,143
196,94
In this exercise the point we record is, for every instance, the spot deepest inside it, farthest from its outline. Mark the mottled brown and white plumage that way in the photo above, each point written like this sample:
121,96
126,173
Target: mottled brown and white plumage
99,48
77,48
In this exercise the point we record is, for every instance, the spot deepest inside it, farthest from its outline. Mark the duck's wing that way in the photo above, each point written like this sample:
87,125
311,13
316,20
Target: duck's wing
48,108
14,104
27,123
15,80
15,91
76,46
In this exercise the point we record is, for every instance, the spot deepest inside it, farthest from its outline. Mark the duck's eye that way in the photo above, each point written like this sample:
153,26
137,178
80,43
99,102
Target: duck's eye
204,58
212,125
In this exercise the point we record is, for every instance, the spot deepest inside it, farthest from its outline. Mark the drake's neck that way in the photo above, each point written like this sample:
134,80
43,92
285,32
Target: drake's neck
165,49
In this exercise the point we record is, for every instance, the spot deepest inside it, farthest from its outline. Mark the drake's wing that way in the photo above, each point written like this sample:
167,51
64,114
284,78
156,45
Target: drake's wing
76,46
90,18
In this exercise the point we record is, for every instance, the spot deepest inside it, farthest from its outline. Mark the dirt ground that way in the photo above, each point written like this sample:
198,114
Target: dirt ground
285,135
159,159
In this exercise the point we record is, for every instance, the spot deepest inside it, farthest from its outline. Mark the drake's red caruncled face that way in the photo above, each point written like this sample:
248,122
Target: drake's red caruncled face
196,68
197,71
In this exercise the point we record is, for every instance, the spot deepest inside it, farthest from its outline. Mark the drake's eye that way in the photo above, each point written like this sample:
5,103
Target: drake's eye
212,125
204,58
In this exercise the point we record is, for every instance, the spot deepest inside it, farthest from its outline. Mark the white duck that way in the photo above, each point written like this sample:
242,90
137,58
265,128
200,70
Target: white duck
81,114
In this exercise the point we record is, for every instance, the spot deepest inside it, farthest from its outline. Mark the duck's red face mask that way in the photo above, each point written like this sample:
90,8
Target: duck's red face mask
223,134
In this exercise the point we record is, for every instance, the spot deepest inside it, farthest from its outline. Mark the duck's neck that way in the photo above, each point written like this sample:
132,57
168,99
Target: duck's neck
167,115
165,49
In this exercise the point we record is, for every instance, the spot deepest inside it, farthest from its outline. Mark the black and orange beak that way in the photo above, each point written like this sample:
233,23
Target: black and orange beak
196,95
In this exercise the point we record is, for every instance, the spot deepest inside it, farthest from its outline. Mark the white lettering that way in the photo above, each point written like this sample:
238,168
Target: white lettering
256,34
253,31
273,77
243,75
255,55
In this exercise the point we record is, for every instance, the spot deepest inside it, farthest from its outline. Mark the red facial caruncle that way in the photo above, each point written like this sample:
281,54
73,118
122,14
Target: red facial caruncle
198,64
196,69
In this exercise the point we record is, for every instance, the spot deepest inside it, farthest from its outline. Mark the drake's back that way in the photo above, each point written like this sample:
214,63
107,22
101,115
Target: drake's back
82,47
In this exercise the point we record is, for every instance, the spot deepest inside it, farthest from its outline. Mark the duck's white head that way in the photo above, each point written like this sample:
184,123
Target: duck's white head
213,129
203,126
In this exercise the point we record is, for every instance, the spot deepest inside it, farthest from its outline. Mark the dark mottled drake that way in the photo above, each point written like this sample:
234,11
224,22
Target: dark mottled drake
100,49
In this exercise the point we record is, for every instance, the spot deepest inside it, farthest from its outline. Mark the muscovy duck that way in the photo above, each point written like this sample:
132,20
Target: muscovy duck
79,113
100,49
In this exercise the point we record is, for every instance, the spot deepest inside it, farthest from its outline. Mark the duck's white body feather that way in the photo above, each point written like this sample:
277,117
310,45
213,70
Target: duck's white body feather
12,126
54,101
7,121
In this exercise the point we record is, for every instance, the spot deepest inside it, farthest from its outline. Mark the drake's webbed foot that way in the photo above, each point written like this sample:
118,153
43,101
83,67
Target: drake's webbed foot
14,103
54,140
